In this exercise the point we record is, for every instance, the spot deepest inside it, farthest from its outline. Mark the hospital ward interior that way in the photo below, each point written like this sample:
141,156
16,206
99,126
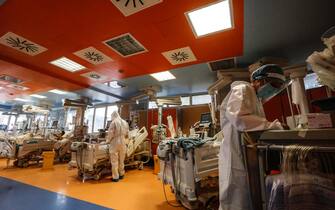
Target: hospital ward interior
167,104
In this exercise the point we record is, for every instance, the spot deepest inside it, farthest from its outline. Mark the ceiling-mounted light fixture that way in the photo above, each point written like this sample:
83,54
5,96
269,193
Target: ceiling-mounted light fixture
56,91
67,64
21,99
163,76
38,96
211,18
115,84
7,79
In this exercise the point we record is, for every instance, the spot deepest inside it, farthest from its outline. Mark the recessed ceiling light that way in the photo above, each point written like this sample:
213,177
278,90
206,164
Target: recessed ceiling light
37,96
67,64
212,18
21,99
163,76
57,92
116,84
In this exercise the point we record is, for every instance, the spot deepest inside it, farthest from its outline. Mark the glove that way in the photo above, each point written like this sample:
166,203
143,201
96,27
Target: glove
276,125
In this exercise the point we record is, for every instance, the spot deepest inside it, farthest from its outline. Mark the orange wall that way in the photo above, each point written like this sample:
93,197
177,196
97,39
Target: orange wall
186,117
125,112
191,115
279,108
143,121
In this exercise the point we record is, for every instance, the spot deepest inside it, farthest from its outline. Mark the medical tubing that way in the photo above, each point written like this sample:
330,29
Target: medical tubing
172,160
291,108
164,175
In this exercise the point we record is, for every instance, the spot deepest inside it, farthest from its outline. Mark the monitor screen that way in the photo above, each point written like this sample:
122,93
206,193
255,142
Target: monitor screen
54,123
108,124
205,118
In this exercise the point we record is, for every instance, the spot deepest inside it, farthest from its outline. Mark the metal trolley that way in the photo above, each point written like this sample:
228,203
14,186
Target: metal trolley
254,147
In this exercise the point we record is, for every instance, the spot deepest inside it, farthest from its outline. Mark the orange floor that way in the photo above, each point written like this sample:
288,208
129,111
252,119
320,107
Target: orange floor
139,189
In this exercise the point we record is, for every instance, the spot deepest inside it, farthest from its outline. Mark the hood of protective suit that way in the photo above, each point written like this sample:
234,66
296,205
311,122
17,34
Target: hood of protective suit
236,83
115,115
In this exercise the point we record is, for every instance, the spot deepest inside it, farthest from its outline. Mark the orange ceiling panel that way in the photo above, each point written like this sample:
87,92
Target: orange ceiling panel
64,27
35,81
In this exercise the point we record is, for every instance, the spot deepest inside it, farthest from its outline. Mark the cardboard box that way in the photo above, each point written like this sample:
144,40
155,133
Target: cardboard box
319,120
312,121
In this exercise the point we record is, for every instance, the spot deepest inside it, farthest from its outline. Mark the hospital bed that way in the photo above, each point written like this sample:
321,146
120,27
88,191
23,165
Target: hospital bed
62,146
22,151
92,159
190,167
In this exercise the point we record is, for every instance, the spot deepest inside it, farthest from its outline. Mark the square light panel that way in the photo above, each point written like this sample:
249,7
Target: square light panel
56,91
93,56
67,64
129,7
211,18
21,44
163,76
115,84
180,56
94,76
38,96
21,99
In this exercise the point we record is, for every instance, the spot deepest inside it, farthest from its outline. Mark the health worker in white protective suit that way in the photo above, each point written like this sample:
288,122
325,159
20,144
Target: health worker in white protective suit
242,110
117,132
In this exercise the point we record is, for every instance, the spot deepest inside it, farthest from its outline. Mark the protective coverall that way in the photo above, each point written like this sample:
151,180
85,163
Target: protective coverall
117,132
241,110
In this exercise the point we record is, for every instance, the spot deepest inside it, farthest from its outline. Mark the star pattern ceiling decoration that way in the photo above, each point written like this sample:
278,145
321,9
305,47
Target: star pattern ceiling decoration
21,44
94,76
93,56
126,2
180,56
18,87
129,7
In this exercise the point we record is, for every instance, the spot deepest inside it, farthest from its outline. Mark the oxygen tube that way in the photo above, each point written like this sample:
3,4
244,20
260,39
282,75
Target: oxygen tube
164,176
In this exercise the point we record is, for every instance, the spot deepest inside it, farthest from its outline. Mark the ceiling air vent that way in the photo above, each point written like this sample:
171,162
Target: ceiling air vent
94,76
179,56
96,101
18,87
21,44
93,56
6,79
126,45
129,7
2,2
222,65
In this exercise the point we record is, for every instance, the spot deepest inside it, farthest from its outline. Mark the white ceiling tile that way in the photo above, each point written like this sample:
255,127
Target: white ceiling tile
93,56
129,7
21,44
180,56
94,76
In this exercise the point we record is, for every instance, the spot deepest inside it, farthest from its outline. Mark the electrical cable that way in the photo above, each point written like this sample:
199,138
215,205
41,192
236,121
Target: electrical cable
168,202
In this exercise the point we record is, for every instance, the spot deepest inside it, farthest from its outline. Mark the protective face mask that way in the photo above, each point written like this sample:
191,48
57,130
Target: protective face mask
266,92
